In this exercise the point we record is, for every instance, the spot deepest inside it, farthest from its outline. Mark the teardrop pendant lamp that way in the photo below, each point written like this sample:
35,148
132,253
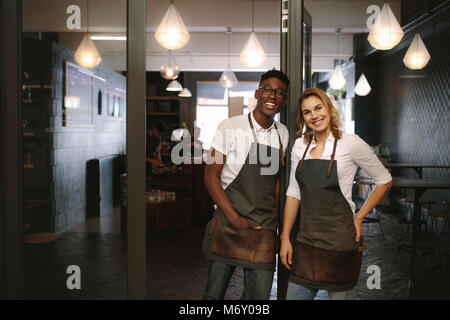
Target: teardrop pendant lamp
228,78
362,87
172,33
417,56
252,55
387,32
337,79
87,54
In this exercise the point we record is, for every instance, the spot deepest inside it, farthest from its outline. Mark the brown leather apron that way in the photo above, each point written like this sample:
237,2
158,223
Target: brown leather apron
253,197
326,255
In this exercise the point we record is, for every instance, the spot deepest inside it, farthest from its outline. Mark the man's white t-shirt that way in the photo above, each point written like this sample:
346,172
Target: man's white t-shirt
234,137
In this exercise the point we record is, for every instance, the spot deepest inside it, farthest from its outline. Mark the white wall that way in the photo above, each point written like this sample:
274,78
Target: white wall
206,20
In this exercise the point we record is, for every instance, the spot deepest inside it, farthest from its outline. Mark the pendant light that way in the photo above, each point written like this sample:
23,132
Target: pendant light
228,78
337,79
170,70
172,33
174,85
417,55
185,93
386,32
87,54
252,55
362,87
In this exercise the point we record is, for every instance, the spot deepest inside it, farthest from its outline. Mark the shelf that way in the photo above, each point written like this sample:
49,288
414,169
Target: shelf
28,166
28,134
163,98
163,113
27,100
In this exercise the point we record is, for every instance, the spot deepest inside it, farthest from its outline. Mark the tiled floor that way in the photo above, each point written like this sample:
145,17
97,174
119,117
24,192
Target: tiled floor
177,270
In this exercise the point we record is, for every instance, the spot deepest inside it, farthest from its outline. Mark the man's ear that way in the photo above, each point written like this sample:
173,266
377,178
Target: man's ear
256,94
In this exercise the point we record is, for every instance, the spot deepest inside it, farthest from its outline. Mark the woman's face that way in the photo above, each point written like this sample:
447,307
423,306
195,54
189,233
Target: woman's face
315,114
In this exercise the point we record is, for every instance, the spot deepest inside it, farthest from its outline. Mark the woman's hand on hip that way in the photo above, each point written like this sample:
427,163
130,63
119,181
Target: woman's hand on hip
358,226
286,253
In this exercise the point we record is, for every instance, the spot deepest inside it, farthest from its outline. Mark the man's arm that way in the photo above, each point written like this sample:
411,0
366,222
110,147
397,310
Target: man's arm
215,189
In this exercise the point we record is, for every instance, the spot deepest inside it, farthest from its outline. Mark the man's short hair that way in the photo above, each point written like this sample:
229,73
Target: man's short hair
274,73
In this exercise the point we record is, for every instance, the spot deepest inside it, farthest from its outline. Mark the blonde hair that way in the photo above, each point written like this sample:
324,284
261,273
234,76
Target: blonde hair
326,101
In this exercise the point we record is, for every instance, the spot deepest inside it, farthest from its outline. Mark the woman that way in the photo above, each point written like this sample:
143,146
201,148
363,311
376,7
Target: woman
327,252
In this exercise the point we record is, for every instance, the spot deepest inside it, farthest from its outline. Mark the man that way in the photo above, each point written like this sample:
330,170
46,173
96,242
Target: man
153,147
243,182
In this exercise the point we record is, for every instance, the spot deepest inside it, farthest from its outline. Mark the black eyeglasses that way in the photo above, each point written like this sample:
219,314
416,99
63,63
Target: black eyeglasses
266,90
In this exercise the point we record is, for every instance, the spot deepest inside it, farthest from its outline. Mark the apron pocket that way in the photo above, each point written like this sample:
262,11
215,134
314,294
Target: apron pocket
326,266
248,245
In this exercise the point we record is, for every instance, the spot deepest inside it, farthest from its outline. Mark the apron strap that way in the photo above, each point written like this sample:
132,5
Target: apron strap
281,146
254,135
303,158
330,165
256,140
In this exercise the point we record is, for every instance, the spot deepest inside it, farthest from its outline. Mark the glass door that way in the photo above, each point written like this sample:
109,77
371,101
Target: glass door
74,107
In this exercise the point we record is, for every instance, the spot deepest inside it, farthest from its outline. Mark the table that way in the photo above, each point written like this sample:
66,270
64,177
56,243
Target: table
416,166
419,186
364,180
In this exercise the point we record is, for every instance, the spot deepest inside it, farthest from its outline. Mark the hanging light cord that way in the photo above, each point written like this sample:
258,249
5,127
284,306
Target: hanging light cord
228,51
87,16
253,15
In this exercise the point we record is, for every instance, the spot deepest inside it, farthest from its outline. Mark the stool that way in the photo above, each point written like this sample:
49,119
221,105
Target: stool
405,223
424,203
39,263
444,215
40,237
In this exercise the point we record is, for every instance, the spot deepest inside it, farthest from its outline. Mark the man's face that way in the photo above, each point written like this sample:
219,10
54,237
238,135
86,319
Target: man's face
271,96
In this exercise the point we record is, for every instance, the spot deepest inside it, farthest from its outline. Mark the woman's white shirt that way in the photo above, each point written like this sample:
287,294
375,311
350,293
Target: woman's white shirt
351,152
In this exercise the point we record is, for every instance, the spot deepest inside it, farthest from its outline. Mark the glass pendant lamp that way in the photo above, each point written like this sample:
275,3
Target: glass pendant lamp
172,33
362,87
87,54
417,55
387,32
170,70
252,55
228,78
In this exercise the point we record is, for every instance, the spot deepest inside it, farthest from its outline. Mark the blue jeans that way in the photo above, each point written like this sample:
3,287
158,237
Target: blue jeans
298,292
257,283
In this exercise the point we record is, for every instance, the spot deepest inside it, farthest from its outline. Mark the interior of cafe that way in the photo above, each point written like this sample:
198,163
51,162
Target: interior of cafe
89,218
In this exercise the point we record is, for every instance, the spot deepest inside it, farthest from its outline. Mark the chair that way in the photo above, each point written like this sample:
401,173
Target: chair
39,263
439,236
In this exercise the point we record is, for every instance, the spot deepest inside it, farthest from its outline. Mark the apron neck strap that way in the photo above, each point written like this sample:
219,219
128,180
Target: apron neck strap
330,165
256,140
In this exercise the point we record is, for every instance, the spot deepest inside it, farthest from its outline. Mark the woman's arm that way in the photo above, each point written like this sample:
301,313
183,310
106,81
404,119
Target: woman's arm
372,201
290,214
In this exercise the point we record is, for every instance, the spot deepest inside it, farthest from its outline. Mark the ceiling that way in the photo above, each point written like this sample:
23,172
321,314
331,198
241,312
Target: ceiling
206,21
